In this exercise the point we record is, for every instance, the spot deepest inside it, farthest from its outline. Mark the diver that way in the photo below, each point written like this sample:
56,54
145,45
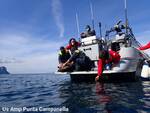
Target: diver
88,32
80,61
63,56
73,45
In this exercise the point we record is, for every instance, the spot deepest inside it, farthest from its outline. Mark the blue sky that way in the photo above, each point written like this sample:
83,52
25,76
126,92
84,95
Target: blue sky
31,31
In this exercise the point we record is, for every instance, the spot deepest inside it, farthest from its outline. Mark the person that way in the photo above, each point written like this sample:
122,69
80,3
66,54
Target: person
110,57
80,61
103,56
88,32
73,45
64,55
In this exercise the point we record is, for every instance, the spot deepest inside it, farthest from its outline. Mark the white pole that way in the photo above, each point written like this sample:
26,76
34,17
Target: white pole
126,18
92,15
77,22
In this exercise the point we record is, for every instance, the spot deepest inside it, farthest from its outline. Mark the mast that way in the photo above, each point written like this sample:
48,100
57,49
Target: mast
126,18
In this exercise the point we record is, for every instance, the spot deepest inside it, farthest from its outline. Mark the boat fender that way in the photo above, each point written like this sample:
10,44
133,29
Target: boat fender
145,71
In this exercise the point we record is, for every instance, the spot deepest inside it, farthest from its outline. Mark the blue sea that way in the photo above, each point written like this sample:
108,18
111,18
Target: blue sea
50,93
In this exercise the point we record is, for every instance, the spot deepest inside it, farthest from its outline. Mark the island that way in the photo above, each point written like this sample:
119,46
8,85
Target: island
3,70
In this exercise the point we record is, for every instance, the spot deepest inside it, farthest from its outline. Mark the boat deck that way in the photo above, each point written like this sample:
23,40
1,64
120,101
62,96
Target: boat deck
89,72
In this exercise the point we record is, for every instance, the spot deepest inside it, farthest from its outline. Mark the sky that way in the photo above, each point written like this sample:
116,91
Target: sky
31,31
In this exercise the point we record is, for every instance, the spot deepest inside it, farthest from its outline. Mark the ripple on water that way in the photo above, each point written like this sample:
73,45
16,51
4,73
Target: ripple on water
50,90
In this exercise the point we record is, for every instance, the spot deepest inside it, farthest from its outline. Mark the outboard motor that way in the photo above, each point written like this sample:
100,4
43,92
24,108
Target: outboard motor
121,37
118,28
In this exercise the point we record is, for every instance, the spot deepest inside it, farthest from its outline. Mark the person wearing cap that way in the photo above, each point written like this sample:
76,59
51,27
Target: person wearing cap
73,45
63,56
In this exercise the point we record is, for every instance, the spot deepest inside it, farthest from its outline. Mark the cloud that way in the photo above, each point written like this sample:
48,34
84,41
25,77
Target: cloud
43,63
57,13
8,61
27,54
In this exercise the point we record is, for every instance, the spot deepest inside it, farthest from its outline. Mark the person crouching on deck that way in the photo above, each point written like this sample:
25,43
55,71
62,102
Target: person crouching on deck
80,61
63,56
110,57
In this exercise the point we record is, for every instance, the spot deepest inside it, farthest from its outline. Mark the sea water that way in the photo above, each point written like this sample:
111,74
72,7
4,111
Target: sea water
50,93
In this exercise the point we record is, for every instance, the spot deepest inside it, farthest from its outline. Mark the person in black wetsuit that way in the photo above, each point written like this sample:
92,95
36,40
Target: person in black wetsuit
80,61
63,56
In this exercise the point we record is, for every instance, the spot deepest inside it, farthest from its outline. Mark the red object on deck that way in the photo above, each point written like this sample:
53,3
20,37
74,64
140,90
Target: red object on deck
70,46
147,46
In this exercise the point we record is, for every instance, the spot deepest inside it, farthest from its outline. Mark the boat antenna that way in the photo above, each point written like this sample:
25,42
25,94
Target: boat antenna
126,18
92,15
77,22
100,29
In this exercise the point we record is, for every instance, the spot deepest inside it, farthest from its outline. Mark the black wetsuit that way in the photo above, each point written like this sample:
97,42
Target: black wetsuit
81,61
63,57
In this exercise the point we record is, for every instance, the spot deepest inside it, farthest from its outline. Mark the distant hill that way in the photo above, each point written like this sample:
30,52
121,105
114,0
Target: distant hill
3,70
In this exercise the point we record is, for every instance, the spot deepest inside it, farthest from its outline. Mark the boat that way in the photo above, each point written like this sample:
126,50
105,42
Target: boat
128,69
132,59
